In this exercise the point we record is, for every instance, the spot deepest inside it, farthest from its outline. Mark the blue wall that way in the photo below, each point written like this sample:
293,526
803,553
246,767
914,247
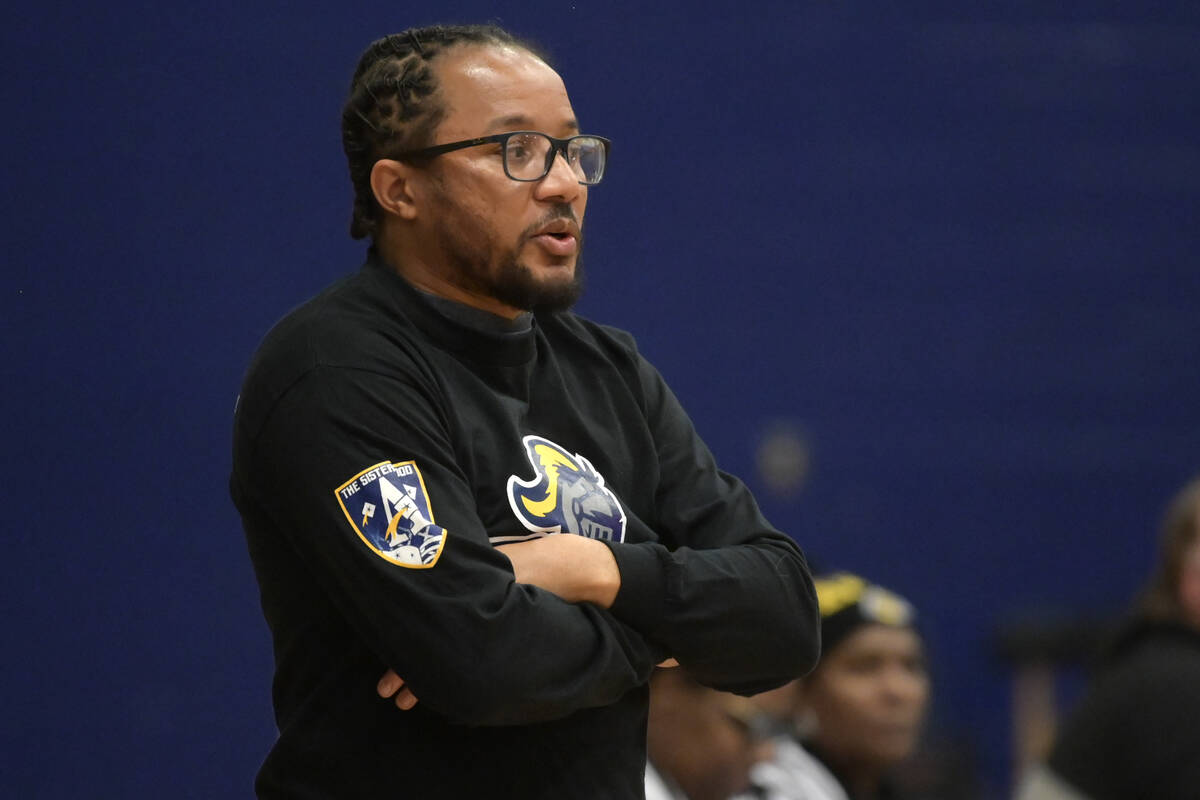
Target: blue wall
956,248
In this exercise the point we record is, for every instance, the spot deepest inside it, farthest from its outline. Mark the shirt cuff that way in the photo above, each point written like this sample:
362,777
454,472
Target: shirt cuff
641,601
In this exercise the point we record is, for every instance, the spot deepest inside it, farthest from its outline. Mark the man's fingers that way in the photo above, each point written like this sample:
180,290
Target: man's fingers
406,699
392,684
389,684
670,662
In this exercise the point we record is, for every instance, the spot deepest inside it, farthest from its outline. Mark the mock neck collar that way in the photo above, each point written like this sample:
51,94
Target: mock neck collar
476,318
470,333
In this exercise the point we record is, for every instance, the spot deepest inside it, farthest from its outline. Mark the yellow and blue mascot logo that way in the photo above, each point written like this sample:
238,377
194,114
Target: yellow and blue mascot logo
565,495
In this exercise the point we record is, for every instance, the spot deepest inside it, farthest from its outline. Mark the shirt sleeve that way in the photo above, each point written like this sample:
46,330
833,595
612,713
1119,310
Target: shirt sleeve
472,643
726,594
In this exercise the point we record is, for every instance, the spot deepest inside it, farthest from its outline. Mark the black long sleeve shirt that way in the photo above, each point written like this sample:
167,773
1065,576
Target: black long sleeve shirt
382,450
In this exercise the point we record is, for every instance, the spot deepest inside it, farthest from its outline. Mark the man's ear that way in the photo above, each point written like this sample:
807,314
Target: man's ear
391,182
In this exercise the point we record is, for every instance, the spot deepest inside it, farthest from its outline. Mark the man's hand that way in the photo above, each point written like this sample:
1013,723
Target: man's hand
392,684
577,569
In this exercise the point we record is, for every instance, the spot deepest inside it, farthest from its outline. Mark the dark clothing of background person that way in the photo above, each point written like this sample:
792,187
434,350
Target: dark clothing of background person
1136,732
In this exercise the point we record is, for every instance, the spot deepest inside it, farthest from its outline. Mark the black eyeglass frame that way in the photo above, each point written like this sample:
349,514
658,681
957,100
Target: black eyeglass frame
556,146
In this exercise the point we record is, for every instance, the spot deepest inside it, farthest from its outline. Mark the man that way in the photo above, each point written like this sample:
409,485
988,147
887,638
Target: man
859,713
411,445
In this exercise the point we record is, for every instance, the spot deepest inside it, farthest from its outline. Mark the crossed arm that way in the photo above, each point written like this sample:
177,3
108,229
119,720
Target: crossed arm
577,569
712,584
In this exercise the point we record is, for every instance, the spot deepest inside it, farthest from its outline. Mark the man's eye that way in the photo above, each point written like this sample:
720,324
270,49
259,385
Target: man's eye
519,152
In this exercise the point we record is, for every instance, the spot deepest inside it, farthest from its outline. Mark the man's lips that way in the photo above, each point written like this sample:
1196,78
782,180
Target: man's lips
559,244
559,237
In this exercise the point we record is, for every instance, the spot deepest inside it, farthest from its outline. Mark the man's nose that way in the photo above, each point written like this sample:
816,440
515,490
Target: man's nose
560,181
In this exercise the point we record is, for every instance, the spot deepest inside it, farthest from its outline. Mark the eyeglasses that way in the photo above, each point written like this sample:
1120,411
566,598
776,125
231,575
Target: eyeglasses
529,155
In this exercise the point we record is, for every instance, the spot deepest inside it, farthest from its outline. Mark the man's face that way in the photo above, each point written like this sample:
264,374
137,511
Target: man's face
516,243
869,696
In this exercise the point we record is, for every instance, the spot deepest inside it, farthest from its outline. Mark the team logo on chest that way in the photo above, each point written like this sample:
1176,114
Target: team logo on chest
565,495
389,510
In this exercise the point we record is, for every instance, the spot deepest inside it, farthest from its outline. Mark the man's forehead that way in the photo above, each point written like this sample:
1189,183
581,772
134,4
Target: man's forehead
493,88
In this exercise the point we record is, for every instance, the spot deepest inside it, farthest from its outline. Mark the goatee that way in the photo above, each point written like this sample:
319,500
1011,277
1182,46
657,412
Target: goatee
506,279
515,285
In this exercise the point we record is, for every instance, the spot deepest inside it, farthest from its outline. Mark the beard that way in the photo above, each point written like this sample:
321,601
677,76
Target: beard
478,264
514,284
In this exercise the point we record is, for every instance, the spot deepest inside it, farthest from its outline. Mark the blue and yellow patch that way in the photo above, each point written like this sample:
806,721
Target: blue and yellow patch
565,495
388,508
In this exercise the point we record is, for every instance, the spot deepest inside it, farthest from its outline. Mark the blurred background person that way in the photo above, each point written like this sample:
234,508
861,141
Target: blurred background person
701,743
1136,731
859,713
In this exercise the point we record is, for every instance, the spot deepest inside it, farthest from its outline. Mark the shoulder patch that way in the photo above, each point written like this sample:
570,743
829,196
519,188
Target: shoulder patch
388,508
565,495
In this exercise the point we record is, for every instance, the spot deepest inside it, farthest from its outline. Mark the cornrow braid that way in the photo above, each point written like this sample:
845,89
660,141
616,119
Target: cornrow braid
392,106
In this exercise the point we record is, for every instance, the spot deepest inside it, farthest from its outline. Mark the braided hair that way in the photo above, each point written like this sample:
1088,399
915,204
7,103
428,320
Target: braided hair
392,105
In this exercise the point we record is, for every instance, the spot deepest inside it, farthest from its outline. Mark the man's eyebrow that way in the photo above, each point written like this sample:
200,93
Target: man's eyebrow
514,122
